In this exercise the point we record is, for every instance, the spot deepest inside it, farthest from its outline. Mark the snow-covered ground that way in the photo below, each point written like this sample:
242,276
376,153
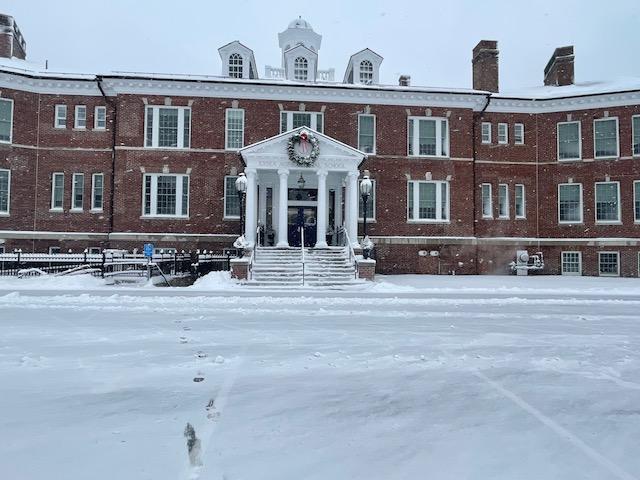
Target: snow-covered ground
456,378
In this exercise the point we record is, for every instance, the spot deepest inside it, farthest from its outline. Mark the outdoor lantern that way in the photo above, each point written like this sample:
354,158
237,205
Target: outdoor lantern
366,187
241,187
301,182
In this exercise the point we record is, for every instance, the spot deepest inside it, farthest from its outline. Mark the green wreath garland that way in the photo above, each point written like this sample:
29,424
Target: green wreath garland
299,159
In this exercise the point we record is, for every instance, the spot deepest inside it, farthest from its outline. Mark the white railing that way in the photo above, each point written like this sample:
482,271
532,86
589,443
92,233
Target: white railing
326,75
302,251
273,72
352,253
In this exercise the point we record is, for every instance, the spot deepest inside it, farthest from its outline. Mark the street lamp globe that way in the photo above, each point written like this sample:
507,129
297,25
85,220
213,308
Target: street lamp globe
241,183
366,186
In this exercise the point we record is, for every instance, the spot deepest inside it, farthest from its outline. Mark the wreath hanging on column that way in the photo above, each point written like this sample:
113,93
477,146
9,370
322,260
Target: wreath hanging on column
307,150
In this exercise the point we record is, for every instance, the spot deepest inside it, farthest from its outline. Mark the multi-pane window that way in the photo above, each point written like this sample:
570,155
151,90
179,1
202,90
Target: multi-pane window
291,120
571,263
371,204
367,133
60,120
6,120
609,263
569,141
636,134
428,137
503,133
520,203
100,118
570,203
166,195
503,200
97,191
636,200
167,127
235,128
366,72
428,201
486,132
607,202
5,186
77,191
518,133
80,119
235,65
231,198
605,137
57,191
300,68
487,201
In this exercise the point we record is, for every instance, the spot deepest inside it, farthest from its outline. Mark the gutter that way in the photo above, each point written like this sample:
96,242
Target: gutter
114,105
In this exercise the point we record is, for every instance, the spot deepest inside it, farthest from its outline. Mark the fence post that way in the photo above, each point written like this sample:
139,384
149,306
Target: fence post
104,260
175,262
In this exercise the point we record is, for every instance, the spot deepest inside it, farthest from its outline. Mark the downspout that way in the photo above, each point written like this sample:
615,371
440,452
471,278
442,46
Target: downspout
35,196
114,105
477,116
537,184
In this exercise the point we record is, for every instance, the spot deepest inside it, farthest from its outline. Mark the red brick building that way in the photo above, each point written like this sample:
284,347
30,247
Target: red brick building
463,178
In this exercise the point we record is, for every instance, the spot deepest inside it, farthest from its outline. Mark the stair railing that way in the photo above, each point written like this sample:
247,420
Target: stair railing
352,253
302,251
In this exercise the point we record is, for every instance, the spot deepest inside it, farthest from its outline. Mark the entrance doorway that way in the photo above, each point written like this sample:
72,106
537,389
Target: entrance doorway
302,216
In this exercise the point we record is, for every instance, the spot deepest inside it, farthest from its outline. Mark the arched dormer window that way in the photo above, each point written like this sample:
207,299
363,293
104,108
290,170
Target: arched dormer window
366,72
235,65
300,68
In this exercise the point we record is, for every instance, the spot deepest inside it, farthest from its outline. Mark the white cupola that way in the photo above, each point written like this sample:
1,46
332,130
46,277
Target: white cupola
300,45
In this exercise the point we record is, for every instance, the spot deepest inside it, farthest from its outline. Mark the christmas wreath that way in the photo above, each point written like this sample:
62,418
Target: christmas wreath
308,151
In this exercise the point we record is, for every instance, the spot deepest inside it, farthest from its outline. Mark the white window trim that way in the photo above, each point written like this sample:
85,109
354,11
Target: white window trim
633,134
482,140
416,137
490,200
58,117
53,192
73,192
154,195
506,134
375,143
635,199
515,136
95,117
224,200
579,157
569,222
507,216
55,250
226,128
416,202
372,200
93,197
595,205
314,119
524,201
617,274
76,117
156,127
617,155
7,212
11,126
571,274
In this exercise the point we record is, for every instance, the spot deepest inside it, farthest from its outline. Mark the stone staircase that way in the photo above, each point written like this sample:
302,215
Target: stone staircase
282,267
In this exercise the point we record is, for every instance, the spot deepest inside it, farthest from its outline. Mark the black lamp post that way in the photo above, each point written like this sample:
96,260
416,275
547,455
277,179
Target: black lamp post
365,192
241,187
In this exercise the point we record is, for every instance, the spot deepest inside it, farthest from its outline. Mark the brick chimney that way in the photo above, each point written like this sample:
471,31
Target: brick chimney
404,80
559,69
12,43
485,66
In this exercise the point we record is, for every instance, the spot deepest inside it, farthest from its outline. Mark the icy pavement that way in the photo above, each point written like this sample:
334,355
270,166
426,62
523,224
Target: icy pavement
478,387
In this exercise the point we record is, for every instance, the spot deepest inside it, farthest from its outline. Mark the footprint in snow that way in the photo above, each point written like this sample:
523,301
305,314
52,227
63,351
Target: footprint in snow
184,340
212,412
200,354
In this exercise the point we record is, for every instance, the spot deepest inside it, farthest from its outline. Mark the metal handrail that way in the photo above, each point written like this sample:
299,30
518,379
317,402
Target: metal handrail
352,253
302,251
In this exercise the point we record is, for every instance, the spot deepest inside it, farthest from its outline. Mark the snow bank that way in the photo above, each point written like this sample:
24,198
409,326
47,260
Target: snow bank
50,282
216,281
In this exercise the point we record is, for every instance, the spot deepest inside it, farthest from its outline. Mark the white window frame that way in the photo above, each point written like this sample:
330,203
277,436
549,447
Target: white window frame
8,210
505,134
504,187
154,195
10,101
636,198
595,205
485,136
314,120
520,186
570,222
633,136
77,117
226,216
96,115
58,117
55,250
482,187
372,202
155,135
373,152
579,157
366,75
73,193
235,68
562,271
438,208
303,68
606,119
518,139
228,111
93,192
53,192
617,274
416,136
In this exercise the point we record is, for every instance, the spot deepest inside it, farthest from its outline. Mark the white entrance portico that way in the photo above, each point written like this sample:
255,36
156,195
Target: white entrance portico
319,195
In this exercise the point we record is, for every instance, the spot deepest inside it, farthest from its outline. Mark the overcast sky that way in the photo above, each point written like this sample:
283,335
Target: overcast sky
429,40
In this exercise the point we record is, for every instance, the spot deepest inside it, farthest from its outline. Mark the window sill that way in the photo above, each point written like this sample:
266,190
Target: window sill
486,217
485,143
56,210
232,219
434,157
5,142
79,129
428,221
96,210
611,157
179,149
164,217
519,144
229,149
60,128
5,214
569,224
99,129
521,218
76,210
608,274
613,222
504,218
569,160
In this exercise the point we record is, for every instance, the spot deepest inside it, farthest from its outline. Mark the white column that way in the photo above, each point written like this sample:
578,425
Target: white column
283,202
251,216
321,217
352,207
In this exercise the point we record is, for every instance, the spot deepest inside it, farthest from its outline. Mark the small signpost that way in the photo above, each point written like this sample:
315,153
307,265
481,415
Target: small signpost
148,249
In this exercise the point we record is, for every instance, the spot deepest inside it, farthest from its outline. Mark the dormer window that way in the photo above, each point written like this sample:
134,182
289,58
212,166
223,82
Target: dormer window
366,72
235,65
300,68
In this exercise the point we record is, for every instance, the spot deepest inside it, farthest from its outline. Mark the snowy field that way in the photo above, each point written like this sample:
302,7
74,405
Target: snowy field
412,378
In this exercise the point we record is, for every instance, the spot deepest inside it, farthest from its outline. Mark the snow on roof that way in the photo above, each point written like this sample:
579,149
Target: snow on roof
623,84
24,67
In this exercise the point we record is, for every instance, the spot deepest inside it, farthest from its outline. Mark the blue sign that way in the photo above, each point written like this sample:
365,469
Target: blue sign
148,249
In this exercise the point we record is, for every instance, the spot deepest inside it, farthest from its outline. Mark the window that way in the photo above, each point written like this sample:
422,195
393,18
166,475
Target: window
80,117
168,127
57,191
607,202
94,251
166,195
235,129
366,72
503,200
77,191
5,191
367,133
97,192
486,132
605,137
428,137
503,133
609,264
487,201
300,68
570,203
636,200
231,198
636,135
518,133
569,141
371,203
6,120
571,263
100,118
520,203
235,65
291,120
428,201
61,116
54,250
